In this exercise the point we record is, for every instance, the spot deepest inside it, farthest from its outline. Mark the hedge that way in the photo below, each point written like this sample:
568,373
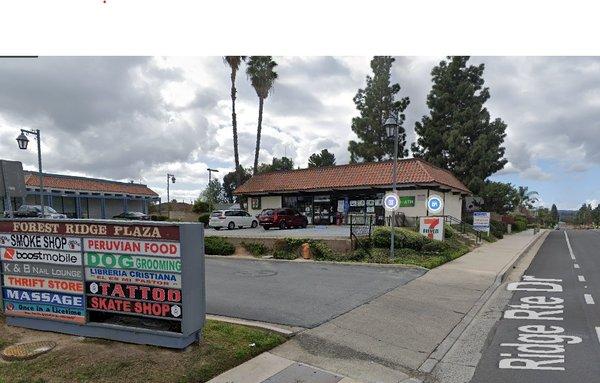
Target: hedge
255,248
218,246
204,218
498,229
402,238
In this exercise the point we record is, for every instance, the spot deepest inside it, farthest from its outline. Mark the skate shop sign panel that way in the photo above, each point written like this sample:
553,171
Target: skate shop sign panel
128,281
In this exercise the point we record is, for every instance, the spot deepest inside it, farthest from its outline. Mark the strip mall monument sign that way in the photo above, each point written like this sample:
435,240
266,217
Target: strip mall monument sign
132,282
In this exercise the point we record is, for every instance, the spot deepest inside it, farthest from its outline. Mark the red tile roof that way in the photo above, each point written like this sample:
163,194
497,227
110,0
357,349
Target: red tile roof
92,185
411,171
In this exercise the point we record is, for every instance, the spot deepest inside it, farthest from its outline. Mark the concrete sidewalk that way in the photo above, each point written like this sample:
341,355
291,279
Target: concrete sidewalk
398,336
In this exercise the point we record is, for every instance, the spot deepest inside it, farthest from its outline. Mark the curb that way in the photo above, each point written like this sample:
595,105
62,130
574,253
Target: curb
442,349
394,265
287,331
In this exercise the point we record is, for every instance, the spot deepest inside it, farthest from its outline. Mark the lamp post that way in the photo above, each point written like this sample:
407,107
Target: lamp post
170,178
210,172
391,125
22,140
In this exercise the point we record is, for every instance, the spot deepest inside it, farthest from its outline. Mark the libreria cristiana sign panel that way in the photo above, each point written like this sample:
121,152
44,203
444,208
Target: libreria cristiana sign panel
132,282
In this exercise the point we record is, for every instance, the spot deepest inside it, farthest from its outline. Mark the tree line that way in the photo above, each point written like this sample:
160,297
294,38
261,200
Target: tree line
457,134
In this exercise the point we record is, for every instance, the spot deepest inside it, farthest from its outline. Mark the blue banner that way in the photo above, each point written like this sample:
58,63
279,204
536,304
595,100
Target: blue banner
24,296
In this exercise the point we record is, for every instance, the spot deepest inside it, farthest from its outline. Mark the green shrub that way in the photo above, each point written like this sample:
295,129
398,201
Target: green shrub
322,252
436,247
218,246
255,248
403,238
159,217
282,254
520,223
203,218
200,207
449,231
498,229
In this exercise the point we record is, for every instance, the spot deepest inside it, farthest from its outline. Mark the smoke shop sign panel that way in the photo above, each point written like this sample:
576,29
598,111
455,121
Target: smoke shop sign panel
133,282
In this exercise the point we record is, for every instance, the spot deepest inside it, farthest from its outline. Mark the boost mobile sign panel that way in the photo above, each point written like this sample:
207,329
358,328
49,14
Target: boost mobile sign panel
133,282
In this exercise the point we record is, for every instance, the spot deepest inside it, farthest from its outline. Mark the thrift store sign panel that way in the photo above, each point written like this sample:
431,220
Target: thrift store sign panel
82,272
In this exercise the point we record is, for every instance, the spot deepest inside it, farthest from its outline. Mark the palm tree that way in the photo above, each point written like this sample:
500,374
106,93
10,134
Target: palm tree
234,63
526,198
262,76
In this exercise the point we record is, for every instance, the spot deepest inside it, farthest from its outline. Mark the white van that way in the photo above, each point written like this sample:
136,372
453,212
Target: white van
231,219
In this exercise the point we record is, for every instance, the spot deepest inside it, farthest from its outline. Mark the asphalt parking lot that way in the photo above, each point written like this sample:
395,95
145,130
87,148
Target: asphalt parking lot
259,232
303,294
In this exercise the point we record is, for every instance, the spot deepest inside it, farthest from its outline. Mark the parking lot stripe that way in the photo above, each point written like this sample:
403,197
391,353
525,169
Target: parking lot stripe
588,299
598,333
581,278
575,265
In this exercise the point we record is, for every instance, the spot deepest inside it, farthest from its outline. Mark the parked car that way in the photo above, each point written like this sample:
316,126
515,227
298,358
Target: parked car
35,211
133,216
282,218
231,219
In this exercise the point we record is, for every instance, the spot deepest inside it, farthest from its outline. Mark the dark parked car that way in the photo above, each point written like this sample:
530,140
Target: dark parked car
133,216
282,218
35,211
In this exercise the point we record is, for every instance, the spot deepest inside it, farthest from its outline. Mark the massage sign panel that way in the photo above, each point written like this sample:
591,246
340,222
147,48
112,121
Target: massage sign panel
141,283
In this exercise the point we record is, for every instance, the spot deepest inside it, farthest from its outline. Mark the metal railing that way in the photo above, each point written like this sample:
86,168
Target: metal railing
464,227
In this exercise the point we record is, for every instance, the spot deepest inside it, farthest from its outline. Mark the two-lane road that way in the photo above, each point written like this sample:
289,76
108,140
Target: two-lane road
550,331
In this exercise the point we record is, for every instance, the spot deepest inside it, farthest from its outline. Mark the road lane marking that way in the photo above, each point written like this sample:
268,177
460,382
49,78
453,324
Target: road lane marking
588,299
569,246
598,333
581,278
576,265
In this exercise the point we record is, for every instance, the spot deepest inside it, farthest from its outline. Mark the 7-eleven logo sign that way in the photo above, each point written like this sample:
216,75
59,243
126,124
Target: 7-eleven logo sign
8,254
432,227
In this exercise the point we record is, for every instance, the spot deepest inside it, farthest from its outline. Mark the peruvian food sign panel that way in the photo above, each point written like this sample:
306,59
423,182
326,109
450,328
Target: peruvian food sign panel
102,273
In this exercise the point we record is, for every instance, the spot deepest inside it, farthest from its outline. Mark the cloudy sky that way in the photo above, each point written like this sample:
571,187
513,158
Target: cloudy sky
137,118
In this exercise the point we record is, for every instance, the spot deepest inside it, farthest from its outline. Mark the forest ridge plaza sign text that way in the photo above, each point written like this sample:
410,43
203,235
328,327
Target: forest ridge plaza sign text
134,282
83,229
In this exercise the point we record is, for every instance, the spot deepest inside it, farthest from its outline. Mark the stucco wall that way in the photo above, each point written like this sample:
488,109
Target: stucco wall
267,202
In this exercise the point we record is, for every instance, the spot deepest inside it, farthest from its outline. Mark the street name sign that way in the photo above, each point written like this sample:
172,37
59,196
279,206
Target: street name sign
127,281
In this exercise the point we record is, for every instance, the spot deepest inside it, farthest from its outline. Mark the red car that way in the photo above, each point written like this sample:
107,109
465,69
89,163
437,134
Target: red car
282,218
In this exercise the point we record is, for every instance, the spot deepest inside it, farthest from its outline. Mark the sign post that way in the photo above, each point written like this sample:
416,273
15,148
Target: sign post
127,281
481,221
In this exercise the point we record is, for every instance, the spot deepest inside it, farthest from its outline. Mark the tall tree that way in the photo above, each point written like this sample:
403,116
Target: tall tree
230,183
262,75
526,198
376,102
213,194
554,214
325,158
498,197
234,63
278,164
457,134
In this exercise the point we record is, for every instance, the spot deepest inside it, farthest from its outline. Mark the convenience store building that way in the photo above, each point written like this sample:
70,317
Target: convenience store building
354,192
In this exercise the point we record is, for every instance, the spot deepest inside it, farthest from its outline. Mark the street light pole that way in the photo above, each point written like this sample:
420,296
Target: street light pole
391,124
170,178
23,141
